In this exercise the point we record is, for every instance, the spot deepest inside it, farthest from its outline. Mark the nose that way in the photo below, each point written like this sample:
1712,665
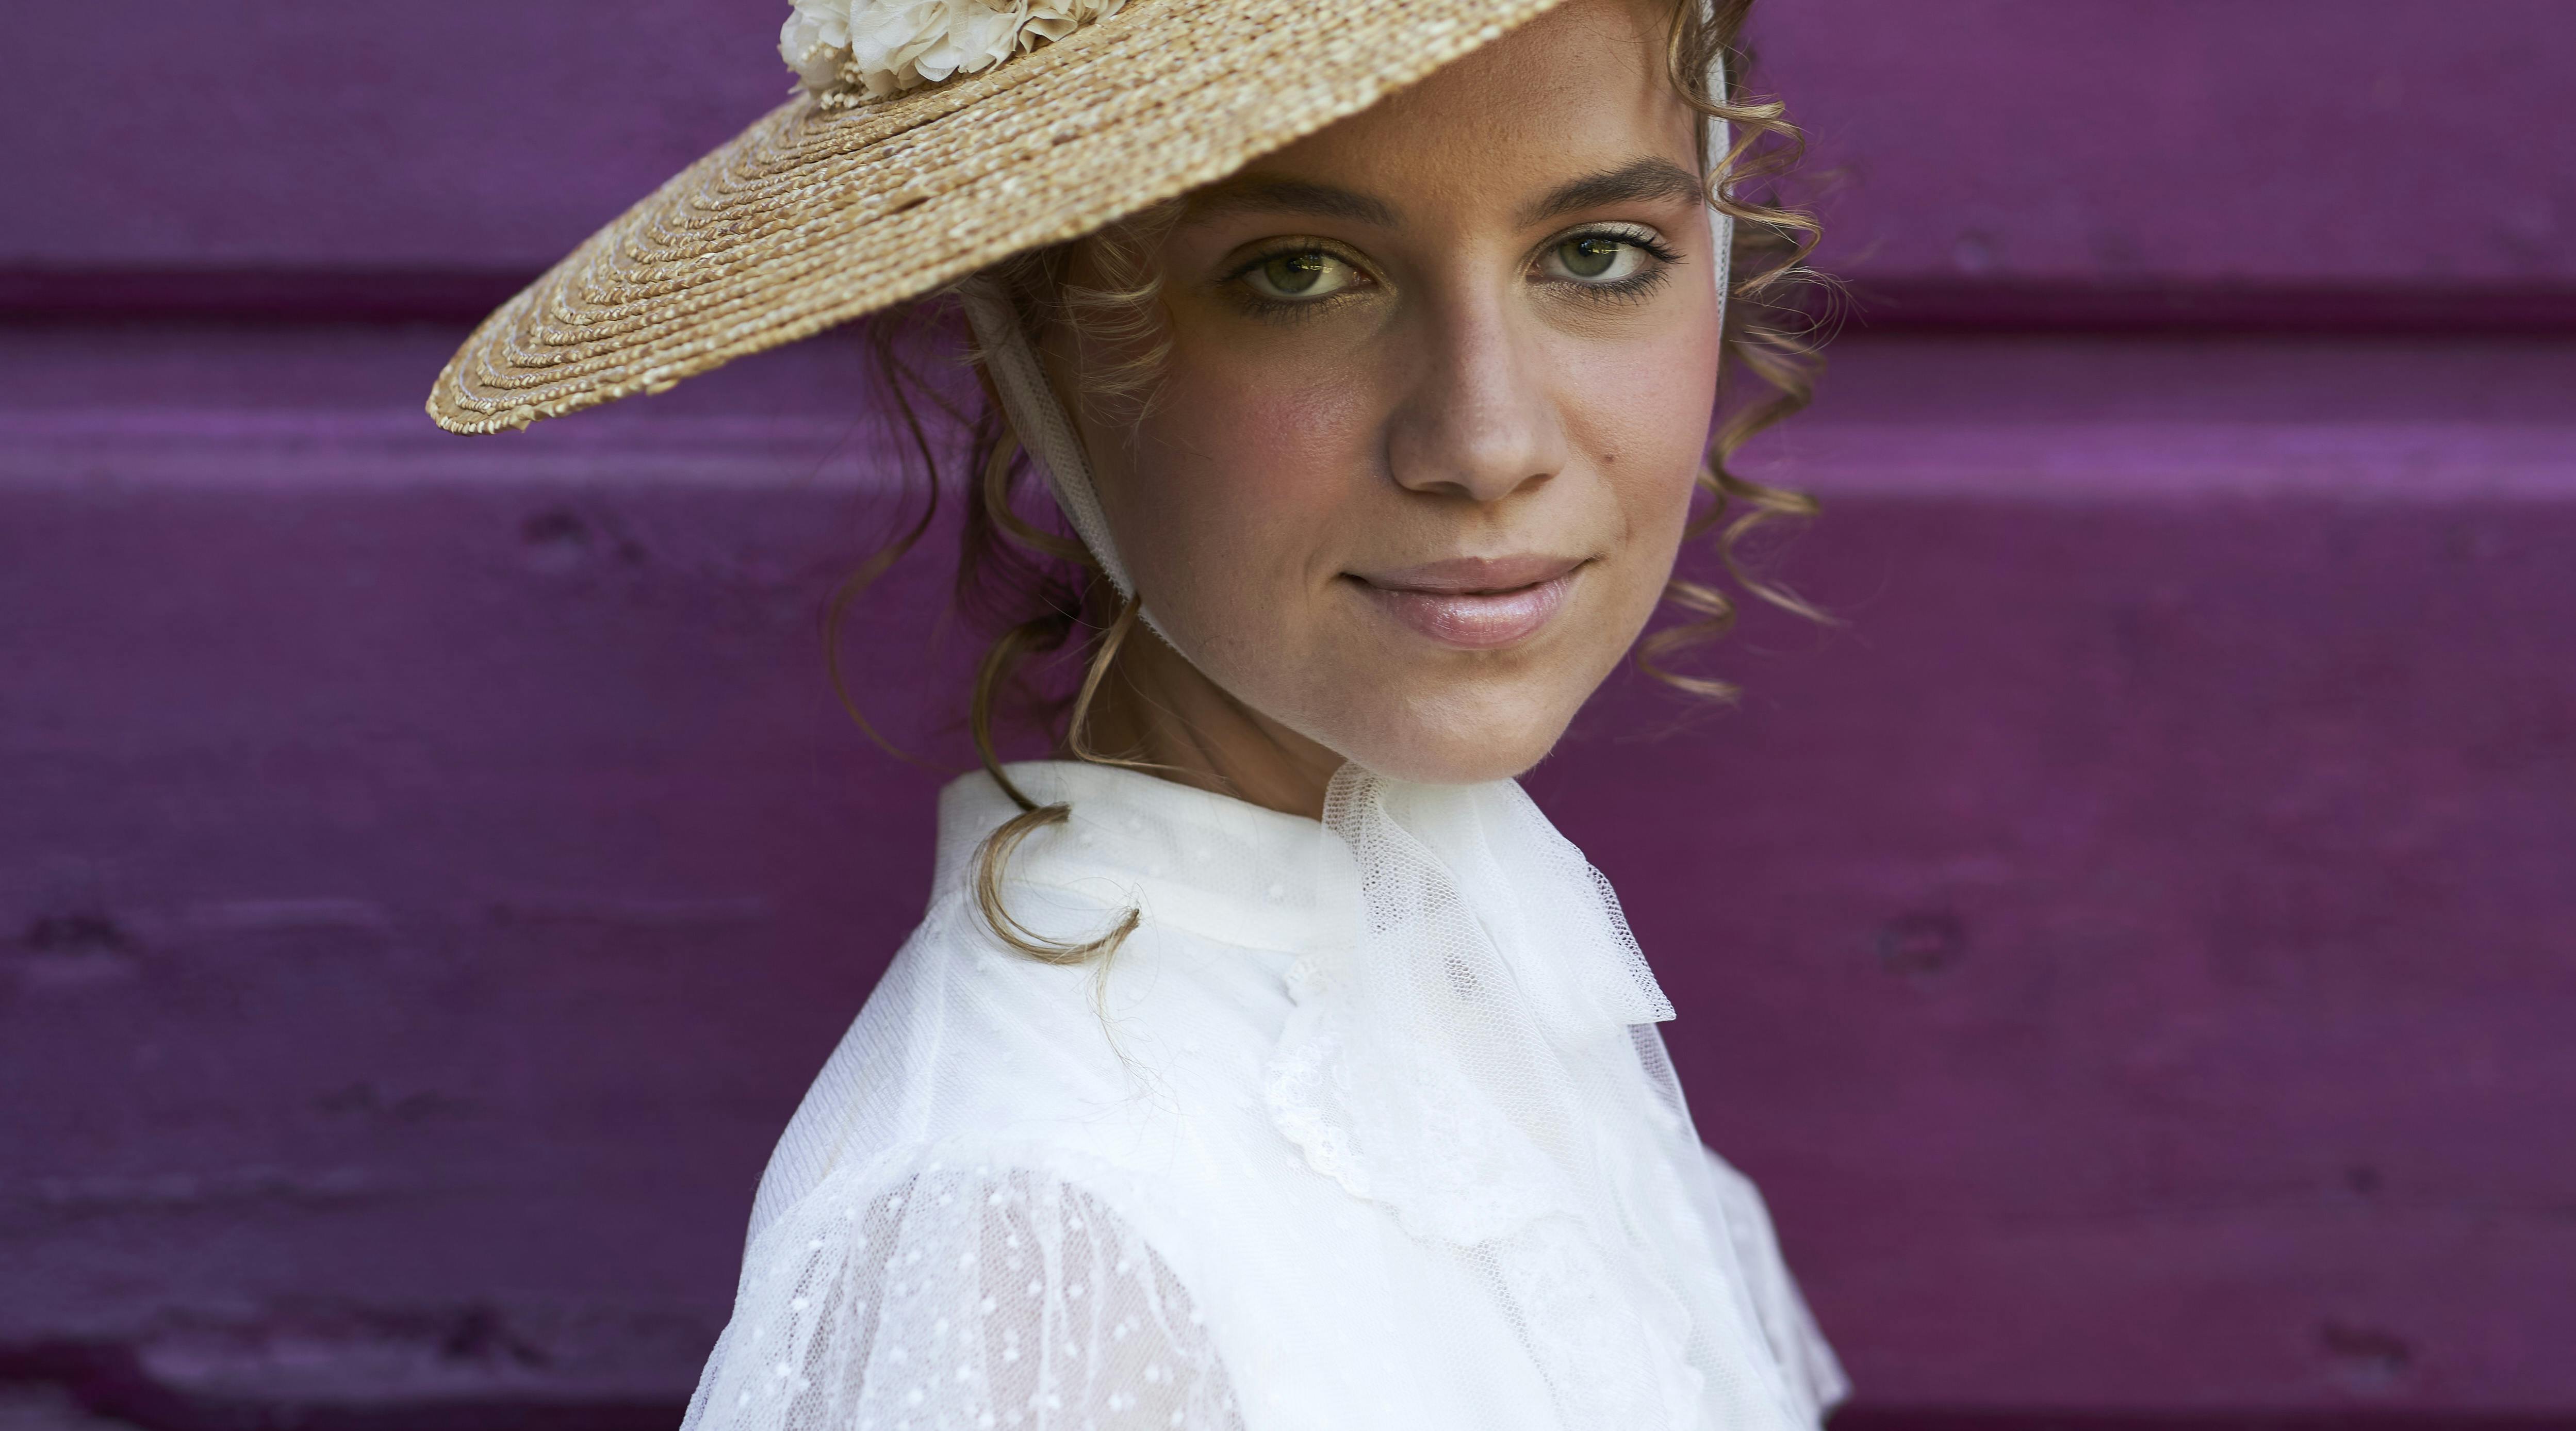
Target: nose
1479,420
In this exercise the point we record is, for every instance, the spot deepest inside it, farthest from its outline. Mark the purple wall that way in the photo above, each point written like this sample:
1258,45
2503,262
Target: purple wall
2303,142
2292,142
2134,954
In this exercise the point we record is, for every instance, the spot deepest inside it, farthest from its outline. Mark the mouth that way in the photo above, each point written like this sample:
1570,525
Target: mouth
1474,603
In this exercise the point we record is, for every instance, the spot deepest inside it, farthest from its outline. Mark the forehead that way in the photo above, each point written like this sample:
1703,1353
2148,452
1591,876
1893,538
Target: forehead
1581,90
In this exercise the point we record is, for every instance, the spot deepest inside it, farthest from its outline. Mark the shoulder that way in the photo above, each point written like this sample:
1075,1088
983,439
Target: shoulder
969,1050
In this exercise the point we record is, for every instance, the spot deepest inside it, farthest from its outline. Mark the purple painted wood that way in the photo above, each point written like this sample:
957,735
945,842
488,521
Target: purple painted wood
2155,141
2133,956
2351,145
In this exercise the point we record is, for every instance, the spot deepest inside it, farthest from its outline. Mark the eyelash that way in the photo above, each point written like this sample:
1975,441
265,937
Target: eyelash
1263,305
1630,289
1636,285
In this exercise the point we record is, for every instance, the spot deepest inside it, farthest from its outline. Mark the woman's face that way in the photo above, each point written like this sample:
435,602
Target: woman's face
1439,381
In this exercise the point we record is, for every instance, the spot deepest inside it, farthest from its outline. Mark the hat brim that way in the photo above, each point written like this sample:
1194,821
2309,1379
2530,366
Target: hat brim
817,215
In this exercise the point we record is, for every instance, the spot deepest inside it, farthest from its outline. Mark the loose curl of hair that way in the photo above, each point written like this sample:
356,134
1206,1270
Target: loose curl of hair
1044,597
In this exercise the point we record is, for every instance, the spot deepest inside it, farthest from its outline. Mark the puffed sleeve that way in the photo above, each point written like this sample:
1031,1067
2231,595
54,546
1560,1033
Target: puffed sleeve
959,1297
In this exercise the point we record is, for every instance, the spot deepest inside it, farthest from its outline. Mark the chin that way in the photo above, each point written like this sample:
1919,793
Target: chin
1460,742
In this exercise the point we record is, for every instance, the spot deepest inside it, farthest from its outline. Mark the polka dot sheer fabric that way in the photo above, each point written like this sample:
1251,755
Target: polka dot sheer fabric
964,1296
1368,1125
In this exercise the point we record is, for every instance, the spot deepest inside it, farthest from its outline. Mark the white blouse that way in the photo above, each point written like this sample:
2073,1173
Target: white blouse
1367,1125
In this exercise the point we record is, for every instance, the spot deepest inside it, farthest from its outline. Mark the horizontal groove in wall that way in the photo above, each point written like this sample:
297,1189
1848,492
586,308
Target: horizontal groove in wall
1891,305
1866,1417
110,1379
2088,462
258,295
2010,306
157,1409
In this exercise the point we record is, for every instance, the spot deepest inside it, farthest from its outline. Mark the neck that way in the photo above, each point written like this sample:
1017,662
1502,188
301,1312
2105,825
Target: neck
1156,709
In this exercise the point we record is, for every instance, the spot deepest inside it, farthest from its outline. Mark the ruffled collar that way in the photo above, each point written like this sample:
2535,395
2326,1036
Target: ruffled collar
1470,1046
1463,981
1207,864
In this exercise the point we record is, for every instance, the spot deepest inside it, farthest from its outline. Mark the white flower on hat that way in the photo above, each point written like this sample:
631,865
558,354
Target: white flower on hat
883,47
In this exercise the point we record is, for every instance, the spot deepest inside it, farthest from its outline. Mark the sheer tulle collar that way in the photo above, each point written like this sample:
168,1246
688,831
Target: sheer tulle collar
1189,859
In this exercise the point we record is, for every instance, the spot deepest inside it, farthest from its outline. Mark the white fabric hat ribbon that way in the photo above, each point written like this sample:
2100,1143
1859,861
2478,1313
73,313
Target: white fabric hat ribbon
1045,429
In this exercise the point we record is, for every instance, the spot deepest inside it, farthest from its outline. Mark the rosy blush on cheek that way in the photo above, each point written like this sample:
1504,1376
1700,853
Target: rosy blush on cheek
1653,403
1295,457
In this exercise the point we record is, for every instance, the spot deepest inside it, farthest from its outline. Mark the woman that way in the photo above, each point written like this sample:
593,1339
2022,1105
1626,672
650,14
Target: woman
1269,1062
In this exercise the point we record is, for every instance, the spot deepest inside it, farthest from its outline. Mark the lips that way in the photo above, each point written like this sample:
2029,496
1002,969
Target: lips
1474,603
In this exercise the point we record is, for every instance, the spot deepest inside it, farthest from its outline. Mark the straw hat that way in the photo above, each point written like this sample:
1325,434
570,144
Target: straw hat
932,139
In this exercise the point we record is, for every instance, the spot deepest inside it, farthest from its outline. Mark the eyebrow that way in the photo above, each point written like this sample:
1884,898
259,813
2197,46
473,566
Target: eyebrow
1647,180
1638,181
1292,196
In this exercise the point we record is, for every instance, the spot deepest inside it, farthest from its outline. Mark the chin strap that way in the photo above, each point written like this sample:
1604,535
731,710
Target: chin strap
1044,427
1721,225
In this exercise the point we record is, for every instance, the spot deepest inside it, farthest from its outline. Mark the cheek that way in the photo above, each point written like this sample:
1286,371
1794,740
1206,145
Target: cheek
1642,413
1240,476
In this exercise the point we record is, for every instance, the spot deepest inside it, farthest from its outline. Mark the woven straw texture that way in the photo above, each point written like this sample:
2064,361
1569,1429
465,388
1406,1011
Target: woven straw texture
815,215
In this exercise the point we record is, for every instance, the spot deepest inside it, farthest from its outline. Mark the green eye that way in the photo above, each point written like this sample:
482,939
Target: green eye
1590,256
1300,274
1294,272
1604,260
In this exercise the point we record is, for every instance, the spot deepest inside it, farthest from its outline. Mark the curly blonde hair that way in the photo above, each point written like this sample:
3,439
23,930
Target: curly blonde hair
1047,605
